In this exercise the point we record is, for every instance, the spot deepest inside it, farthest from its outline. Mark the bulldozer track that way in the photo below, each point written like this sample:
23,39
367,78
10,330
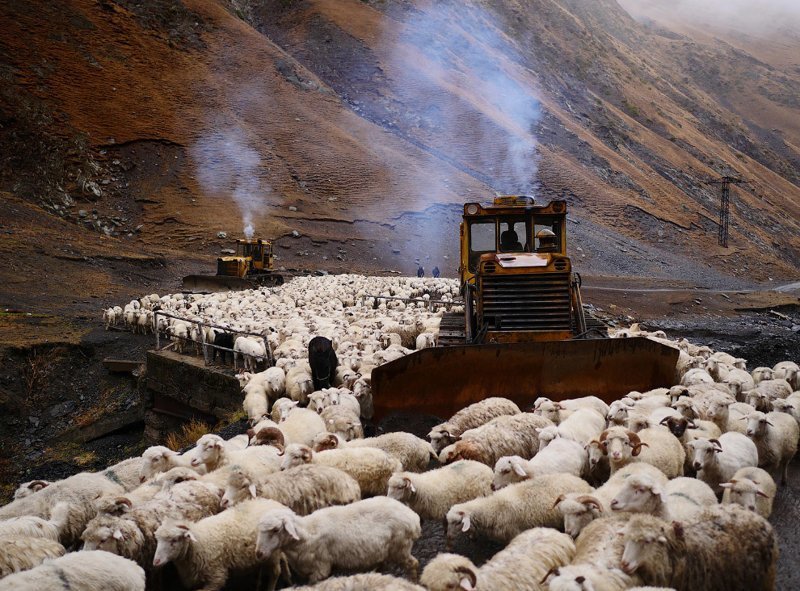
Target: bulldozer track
451,330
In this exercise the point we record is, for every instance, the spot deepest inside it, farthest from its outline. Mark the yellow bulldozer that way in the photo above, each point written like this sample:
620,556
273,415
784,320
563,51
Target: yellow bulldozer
523,332
252,265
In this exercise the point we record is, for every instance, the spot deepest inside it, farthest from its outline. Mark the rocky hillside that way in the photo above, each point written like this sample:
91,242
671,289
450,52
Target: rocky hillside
149,128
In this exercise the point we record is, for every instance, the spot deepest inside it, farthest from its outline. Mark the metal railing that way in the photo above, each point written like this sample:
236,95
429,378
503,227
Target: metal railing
205,346
428,303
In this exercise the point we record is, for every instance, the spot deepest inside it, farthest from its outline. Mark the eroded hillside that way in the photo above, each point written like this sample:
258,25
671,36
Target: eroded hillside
363,126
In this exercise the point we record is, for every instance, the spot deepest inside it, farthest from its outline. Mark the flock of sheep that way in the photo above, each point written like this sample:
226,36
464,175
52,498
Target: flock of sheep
670,488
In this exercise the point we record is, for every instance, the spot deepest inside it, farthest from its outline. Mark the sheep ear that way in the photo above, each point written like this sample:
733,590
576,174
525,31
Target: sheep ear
291,529
118,535
252,489
190,536
661,540
538,430
518,470
466,584
726,484
465,523
411,485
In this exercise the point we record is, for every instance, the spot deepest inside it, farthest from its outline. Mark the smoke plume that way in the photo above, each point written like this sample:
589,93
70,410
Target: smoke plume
225,159
454,62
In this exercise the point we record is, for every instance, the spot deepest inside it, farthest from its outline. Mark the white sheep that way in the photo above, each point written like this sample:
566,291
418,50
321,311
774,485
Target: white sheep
360,536
255,403
412,452
128,530
78,491
717,460
765,392
432,493
363,582
580,509
343,422
370,467
752,488
251,349
467,418
205,552
661,449
515,508
304,489
561,456
301,425
158,459
29,526
679,499
727,548
776,435
789,371
79,571
21,553
213,453
28,488
521,565
583,425
507,435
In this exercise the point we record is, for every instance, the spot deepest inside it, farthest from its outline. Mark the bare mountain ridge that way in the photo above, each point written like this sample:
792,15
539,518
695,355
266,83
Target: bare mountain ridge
190,117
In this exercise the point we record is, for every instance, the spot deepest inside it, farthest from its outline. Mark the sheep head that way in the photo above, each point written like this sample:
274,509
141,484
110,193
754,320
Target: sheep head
757,424
744,492
508,470
173,538
276,528
400,487
271,436
639,494
450,571
647,539
156,459
578,511
296,454
238,488
704,450
325,441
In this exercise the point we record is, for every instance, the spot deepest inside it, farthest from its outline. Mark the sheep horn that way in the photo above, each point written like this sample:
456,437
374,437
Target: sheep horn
552,571
468,573
717,445
40,483
558,500
590,500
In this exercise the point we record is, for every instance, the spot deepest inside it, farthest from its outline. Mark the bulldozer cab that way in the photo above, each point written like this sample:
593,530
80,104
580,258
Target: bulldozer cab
511,225
515,274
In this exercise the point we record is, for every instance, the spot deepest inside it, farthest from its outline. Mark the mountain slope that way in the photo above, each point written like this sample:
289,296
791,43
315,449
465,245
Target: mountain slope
365,125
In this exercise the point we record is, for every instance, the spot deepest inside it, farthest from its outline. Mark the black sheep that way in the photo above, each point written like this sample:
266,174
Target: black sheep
223,339
323,362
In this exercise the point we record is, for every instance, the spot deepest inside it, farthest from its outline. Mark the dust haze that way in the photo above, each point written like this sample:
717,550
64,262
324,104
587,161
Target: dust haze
755,17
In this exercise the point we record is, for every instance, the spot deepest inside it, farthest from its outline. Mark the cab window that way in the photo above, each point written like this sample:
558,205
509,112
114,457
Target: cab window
482,239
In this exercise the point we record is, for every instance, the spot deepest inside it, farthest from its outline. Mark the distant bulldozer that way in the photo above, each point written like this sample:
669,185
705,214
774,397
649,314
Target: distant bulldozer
252,265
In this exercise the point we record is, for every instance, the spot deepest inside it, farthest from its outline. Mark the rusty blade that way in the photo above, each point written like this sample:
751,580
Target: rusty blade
440,381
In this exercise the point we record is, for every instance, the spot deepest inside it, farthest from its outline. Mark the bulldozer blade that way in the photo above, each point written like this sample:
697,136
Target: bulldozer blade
442,380
214,283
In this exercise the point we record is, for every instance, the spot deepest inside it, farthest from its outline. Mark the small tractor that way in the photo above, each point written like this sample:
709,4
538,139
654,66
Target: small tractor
523,332
251,266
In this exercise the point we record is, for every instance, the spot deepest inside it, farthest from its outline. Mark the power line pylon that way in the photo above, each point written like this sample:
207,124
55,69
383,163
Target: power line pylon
725,204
